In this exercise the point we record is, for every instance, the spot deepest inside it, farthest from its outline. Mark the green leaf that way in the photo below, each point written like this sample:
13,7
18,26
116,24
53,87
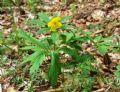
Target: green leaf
68,36
107,43
55,37
118,67
36,23
55,69
103,49
67,26
33,48
43,30
1,38
98,38
2,49
72,52
73,7
41,43
117,74
66,18
44,17
37,62
29,38
31,2
32,57
107,38
84,59
44,43
27,47
88,33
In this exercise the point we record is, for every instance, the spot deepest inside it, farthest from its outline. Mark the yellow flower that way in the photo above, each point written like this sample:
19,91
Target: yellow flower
55,23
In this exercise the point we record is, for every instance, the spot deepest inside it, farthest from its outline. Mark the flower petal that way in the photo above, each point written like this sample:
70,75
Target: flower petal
54,23
56,18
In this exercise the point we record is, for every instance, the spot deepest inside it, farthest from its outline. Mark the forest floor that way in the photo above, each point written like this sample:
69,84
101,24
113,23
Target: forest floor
85,13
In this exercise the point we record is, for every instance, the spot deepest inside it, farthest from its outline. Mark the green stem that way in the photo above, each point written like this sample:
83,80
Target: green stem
15,29
89,38
4,44
7,46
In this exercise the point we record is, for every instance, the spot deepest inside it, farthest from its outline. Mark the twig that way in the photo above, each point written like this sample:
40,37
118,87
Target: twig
0,87
53,90
99,90
107,90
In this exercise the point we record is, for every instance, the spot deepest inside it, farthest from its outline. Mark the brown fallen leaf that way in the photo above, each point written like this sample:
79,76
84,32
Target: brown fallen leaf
53,90
101,84
11,89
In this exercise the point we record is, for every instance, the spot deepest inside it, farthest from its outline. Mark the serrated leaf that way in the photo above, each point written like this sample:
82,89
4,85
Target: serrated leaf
32,57
42,44
107,38
72,52
34,48
37,62
31,2
118,67
88,33
108,43
44,17
103,49
55,69
98,38
27,47
69,36
117,73
1,50
66,18
35,23
28,37
67,26
43,30
55,37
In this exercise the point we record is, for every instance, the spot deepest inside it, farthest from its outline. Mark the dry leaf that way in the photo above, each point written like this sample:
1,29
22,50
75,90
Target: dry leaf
11,89
0,87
